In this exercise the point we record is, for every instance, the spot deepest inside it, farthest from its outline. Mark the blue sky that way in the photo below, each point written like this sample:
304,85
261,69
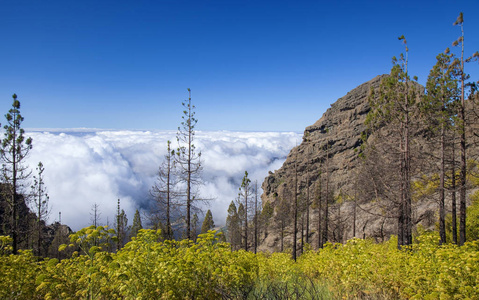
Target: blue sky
251,65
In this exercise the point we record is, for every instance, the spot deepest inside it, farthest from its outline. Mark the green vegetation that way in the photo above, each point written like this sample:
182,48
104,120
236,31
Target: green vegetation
147,268
208,223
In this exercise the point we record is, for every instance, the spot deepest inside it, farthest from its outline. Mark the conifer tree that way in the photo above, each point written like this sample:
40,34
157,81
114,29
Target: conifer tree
208,223
194,226
453,188
233,227
395,105
257,214
462,126
438,107
187,158
241,222
244,195
165,193
462,131
13,152
40,205
121,227
136,226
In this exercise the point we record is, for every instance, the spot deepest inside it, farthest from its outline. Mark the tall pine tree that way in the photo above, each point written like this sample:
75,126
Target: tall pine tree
438,108
244,196
187,158
15,148
395,105
463,126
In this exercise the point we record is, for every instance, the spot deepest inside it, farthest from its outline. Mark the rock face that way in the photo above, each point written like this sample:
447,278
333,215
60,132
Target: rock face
333,141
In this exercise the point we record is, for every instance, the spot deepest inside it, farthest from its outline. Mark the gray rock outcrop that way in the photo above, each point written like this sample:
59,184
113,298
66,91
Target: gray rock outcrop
338,136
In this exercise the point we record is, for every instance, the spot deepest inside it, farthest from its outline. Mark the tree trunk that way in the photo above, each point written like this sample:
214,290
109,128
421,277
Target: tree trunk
319,199
295,211
453,191
442,209
462,183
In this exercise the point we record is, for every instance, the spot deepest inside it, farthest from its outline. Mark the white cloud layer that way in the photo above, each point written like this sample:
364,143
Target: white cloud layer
86,167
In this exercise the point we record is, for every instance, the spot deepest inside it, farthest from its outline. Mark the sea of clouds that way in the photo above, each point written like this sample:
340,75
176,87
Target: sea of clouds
86,167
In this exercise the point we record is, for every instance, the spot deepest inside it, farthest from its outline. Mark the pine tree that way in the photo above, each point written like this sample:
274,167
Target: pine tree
194,226
257,215
241,222
233,227
438,107
208,223
244,196
462,126
395,105
187,158
165,194
453,188
13,152
121,227
40,205
136,226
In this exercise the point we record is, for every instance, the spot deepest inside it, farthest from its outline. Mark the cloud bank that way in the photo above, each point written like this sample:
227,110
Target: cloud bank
84,167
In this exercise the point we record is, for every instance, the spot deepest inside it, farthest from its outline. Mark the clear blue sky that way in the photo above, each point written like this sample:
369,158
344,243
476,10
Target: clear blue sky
251,65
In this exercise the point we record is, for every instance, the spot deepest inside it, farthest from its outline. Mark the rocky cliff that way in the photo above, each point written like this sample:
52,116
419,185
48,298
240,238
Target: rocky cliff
332,146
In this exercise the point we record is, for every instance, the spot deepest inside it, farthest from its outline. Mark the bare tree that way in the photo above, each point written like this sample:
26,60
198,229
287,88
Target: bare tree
40,205
308,205
326,197
295,207
95,214
319,202
165,193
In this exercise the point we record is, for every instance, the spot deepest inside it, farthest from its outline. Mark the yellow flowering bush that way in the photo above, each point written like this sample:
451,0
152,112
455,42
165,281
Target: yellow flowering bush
148,268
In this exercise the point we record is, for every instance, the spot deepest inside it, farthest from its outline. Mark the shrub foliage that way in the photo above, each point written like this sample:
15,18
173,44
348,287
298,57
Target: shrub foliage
147,268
